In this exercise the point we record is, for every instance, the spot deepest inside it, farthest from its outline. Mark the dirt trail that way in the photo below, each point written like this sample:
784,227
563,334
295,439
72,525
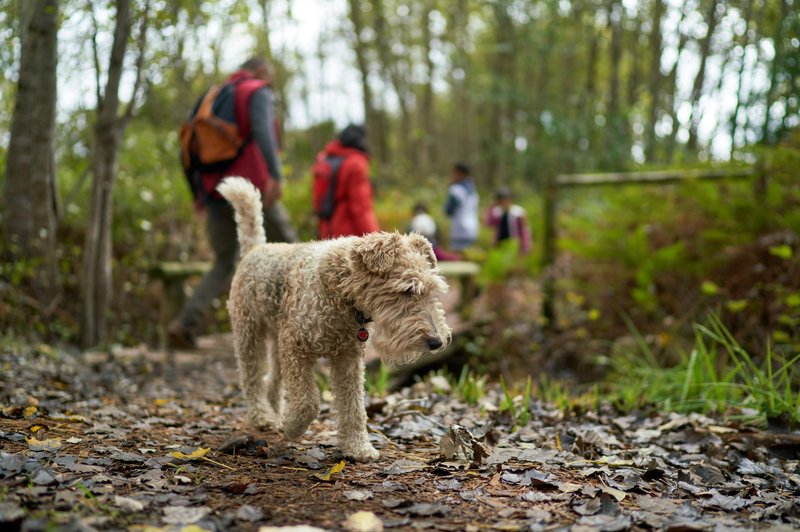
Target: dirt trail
87,442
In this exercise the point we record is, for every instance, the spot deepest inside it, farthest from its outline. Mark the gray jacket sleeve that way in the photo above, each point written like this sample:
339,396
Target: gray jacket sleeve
262,128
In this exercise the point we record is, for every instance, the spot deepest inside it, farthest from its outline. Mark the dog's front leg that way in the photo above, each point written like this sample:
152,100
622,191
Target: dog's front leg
347,381
301,392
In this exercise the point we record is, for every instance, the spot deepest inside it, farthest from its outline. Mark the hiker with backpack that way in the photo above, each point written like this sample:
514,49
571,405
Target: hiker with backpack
509,221
462,208
341,190
231,131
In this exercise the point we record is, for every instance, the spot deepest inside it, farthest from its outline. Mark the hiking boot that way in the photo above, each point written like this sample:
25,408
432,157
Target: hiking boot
179,337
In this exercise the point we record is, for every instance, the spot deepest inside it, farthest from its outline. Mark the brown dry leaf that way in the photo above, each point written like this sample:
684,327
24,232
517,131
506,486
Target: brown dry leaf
617,494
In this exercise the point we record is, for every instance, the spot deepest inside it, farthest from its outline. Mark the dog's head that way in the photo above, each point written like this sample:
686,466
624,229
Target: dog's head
401,290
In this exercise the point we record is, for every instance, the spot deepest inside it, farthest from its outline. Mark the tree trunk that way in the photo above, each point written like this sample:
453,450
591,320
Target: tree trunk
766,137
361,48
30,215
748,13
655,80
672,78
390,68
615,54
697,87
428,120
108,130
633,79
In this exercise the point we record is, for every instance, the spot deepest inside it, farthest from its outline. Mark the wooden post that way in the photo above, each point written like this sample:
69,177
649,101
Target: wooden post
549,252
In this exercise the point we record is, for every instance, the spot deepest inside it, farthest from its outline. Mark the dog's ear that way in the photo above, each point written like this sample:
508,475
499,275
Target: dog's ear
421,244
377,251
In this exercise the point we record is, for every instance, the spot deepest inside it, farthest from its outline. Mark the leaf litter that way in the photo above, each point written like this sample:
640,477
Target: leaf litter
97,443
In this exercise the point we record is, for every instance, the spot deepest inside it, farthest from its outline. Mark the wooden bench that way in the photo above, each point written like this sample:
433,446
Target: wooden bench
173,277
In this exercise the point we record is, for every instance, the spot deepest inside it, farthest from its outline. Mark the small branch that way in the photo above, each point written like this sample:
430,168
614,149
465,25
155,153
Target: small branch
95,55
142,44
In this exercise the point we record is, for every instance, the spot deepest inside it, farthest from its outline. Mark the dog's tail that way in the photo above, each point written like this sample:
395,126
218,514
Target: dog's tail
246,201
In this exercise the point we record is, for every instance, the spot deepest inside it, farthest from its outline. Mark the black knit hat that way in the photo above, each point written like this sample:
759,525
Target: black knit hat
354,136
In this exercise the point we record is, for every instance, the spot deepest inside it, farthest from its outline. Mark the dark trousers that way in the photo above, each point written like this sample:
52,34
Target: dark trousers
221,231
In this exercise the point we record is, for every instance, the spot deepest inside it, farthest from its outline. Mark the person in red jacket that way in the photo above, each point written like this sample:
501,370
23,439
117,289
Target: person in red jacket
342,192
245,98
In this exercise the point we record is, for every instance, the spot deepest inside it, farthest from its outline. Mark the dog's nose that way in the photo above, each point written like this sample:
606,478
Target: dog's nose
434,343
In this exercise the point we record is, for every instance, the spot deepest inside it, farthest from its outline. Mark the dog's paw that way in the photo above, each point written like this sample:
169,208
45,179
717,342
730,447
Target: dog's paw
362,452
262,419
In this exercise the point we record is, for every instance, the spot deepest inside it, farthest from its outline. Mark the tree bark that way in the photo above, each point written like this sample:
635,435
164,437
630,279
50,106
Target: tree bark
361,48
427,118
655,80
30,198
672,78
697,87
766,137
748,14
390,67
109,128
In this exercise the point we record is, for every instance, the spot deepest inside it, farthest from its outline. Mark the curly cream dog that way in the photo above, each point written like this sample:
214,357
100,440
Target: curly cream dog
293,303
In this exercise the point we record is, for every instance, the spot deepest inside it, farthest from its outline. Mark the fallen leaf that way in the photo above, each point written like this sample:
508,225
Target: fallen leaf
363,522
127,504
357,495
336,469
199,454
184,515
617,494
196,454
424,509
249,513
68,419
52,444
295,528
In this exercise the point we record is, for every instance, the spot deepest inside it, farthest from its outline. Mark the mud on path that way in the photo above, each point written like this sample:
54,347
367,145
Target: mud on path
89,441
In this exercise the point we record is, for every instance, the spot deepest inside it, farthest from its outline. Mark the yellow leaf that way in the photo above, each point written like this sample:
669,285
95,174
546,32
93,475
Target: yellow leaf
52,444
326,477
194,528
161,402
196,454
69,419
36,428
29,411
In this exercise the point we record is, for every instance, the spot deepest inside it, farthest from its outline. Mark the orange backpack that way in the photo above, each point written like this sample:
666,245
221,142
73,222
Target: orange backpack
209,143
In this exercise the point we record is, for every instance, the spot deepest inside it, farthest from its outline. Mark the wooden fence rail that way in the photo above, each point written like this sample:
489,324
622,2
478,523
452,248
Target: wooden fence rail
661,177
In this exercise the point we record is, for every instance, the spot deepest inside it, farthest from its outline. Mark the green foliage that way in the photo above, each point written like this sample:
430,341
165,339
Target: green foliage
469,386
377,382
516,405
717,375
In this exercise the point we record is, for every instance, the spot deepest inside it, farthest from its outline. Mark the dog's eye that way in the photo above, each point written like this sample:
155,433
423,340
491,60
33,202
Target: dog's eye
409,291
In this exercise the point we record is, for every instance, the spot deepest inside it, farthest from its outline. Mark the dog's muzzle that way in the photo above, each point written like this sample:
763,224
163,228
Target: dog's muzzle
434,343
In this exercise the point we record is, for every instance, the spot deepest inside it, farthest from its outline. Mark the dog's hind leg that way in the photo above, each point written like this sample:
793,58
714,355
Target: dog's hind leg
301,392
347,381
274,377
251,356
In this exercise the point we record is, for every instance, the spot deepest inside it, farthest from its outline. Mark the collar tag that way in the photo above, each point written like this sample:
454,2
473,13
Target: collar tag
362,335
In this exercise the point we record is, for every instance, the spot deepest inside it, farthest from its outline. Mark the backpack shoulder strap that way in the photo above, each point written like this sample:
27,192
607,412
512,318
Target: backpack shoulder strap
329,201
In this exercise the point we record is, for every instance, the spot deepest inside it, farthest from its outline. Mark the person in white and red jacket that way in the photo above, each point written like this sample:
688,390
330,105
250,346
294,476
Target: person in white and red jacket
509,221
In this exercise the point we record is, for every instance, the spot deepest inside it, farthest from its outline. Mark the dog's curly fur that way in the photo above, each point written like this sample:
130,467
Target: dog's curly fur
293,303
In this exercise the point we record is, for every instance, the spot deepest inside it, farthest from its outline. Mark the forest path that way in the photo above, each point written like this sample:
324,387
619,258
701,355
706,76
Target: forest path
86,441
